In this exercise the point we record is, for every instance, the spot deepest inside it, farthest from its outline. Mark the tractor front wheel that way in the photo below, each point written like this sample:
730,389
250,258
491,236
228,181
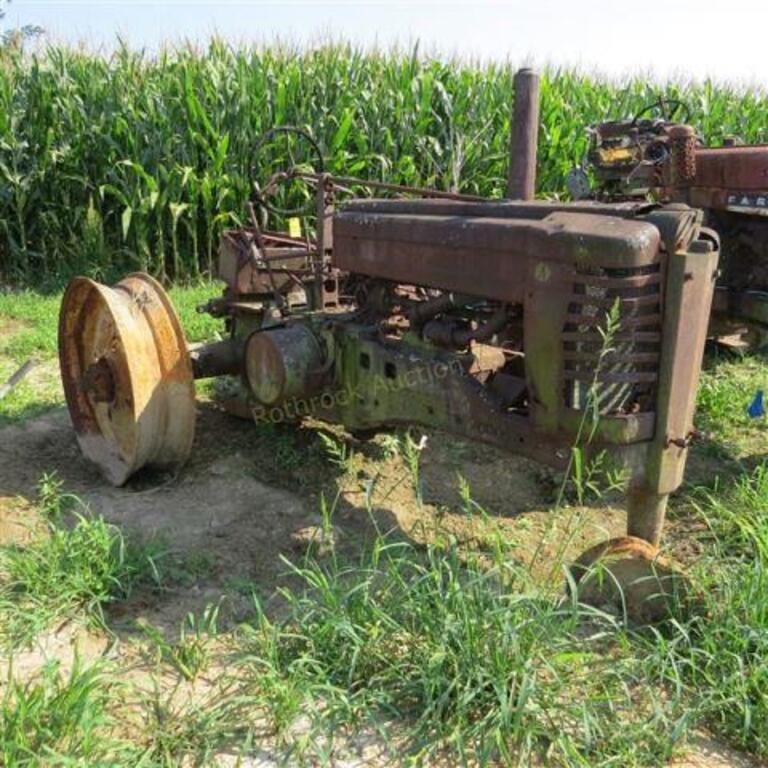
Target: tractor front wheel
626,577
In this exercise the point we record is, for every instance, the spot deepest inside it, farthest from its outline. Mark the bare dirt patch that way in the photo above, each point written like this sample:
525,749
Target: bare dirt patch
236,507
65,645
705,752
19,523
229,522
10,327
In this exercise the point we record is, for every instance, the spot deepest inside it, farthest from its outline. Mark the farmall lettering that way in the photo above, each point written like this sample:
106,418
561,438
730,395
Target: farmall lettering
739,201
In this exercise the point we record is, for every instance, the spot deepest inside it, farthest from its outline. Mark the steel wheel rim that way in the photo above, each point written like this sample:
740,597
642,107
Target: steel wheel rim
627,576
127,375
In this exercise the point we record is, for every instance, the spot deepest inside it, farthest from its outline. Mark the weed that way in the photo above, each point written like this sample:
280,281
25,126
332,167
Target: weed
390,445
337,451
175,731
52,501
188,568
72,570
59,721
723,653
464,658
189,655
411,453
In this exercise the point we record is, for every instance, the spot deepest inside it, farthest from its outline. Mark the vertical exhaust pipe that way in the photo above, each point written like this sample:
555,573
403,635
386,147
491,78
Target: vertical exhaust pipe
524,135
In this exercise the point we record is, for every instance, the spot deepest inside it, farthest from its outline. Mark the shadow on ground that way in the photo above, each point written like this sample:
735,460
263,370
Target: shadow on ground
251,496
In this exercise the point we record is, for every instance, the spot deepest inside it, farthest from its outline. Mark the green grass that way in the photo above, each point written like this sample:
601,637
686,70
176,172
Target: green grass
189,654
198,326
724,652
461,660
81,565
478,663
728,386
133,161
58,720
90,717
28,331
444,653
35,316
172,733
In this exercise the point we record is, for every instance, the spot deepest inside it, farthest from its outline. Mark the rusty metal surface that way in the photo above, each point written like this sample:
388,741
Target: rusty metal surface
749,304
512,323
627,576
524,135
689,289
664,159
736,168
403,189
716,198
496,209
682,165
483,256
127,375
277,266
221,358
283,363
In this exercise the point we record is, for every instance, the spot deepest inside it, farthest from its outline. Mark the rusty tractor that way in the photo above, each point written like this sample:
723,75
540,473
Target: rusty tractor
658,156
535,327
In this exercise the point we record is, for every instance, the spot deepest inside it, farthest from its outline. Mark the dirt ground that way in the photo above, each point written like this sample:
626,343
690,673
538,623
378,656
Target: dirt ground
240,504
245,500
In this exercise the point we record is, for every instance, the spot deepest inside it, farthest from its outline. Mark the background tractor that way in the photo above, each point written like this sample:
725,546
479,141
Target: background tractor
657,156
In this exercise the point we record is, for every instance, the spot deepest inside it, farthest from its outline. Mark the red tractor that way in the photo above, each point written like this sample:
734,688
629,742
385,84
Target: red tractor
658,156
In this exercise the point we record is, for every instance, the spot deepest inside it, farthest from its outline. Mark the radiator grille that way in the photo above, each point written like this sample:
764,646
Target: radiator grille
615,371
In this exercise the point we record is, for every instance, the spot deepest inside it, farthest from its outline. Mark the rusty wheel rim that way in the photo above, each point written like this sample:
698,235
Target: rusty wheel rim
627,577
127,375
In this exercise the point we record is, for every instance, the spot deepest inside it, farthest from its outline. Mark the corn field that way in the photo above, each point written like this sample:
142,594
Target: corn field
133,161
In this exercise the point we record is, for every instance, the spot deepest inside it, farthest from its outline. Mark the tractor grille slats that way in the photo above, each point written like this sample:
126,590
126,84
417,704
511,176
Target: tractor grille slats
613,369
